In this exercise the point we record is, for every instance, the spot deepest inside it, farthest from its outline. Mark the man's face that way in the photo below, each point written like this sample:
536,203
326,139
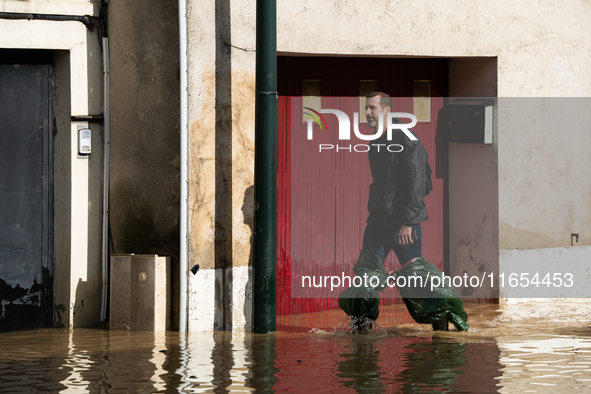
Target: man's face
372,111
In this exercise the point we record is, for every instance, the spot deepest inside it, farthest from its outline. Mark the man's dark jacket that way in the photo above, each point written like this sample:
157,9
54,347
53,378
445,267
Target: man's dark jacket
401,180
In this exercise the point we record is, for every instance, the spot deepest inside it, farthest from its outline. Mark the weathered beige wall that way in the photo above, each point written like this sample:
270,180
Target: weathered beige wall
145,145
536,56
221,162
221,127
201,174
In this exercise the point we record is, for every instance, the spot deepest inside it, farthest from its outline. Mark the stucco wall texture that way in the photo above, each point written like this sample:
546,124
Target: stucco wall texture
539,52
221,132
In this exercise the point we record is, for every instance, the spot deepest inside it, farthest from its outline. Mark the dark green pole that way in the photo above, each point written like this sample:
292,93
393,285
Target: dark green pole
265,176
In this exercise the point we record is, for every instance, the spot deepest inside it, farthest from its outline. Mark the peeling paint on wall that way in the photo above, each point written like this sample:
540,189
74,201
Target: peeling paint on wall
202,176
243,122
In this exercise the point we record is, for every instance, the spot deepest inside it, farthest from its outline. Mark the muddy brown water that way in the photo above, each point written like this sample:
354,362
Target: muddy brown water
541,347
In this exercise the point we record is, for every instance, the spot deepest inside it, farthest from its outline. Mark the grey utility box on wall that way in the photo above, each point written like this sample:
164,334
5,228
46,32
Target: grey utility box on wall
140,295
470,120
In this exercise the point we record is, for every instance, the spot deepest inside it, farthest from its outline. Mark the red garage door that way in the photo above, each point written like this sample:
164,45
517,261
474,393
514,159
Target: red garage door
321,212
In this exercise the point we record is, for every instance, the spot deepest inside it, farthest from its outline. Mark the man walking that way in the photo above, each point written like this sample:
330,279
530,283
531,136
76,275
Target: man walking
401,180
396,205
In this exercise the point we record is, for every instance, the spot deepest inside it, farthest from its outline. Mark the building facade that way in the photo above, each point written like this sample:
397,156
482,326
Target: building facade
517,199
506,200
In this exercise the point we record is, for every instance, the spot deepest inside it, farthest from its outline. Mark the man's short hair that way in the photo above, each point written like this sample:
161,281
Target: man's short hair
385,99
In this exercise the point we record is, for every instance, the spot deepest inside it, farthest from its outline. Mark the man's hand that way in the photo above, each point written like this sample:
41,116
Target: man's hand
405,235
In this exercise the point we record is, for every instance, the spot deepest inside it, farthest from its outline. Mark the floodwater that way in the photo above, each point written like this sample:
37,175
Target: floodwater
541,347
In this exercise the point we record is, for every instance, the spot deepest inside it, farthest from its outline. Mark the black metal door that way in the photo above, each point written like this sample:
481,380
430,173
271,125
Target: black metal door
26,196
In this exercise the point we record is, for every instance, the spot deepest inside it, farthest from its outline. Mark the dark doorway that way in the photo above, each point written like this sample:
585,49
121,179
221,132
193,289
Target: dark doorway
333,232
26,192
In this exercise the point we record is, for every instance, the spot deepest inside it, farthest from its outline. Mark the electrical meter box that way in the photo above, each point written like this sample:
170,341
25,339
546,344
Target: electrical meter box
470,120
140,292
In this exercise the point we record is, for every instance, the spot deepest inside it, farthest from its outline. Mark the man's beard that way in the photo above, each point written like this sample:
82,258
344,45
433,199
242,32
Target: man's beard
372,122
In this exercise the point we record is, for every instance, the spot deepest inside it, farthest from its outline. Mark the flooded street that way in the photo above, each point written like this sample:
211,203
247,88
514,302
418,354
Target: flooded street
536,348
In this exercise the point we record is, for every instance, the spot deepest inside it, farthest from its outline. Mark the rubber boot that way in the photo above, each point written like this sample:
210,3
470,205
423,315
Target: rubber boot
362,325
441,325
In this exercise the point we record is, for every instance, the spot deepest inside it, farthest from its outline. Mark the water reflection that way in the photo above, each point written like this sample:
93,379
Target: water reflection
196,368
262,362
404,359
360,369
27,361
433,364
441,364
561,363
98,361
